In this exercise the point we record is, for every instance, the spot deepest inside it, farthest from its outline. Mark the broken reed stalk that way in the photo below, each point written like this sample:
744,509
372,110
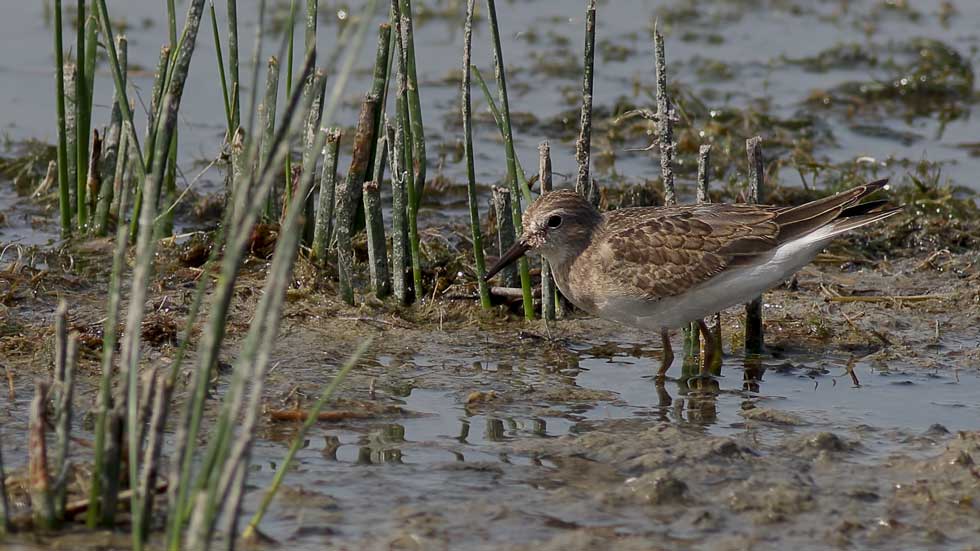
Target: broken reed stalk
63,429
583,146
399,225
300,437
414,109
64,198
498,63
325,200
94,175
156,93
83,104
505,232
375,225
62,395
403,118
42,504
267,123
665,121
221,71
347,196
114,159
476,233
704,177
71,131
754,338
154,446
310,154
548,293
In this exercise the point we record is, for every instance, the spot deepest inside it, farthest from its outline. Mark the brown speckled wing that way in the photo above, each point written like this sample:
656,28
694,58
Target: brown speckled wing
658,252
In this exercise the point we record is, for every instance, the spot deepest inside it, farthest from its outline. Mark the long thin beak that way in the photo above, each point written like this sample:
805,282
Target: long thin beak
516,251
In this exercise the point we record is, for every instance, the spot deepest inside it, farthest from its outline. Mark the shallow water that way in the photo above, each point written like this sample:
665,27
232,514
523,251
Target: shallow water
751,41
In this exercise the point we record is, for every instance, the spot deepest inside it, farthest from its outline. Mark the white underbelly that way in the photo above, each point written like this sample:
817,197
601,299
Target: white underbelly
731,287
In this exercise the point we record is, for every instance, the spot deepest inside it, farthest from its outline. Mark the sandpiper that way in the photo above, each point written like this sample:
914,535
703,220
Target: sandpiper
661,268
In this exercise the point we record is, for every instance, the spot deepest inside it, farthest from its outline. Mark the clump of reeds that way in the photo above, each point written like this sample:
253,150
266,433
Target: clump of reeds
132,409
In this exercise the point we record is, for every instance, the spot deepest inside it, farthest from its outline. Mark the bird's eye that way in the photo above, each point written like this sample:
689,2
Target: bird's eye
554,221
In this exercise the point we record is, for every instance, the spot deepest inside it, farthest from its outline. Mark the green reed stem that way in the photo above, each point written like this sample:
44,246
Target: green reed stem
379,88
236,86
290,30
498,118
310,152
403,119
254,355
145,245
64,198
467,111
498,59
83,105
120,83
237,239
414,105
583,146
104,400
297,442
221,71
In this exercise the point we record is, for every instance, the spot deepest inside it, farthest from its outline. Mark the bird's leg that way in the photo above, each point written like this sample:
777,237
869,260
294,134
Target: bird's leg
708,358
667,358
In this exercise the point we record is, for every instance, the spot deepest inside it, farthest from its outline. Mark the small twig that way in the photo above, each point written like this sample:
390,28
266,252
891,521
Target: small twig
547,279
505,231
754,337
886,298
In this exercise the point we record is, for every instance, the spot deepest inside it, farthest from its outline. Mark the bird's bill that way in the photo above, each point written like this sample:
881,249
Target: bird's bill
516,251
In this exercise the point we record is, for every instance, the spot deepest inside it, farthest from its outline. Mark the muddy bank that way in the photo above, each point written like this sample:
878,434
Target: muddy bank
472,429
